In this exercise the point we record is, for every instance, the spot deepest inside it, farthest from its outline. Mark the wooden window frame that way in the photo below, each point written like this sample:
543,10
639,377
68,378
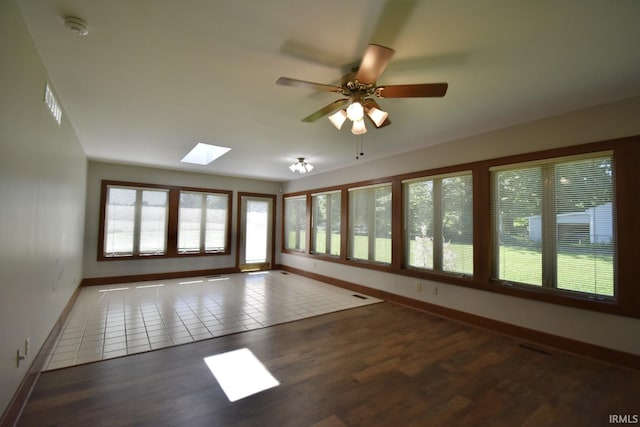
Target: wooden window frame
626,156
172,220
550,248
203,223
371,224
438,216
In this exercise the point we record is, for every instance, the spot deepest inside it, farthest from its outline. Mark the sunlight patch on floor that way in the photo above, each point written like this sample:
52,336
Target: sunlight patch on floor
240,373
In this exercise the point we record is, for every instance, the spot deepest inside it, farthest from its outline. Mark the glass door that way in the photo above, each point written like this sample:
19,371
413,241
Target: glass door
256,232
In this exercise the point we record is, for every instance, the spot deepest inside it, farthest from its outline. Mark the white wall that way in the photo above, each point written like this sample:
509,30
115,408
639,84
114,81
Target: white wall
107,171
42,188
593,124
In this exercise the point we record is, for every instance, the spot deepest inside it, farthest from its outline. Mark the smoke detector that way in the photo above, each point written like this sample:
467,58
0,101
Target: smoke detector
76,25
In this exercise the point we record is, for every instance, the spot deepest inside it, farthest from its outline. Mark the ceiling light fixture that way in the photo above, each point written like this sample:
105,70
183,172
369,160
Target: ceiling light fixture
301,166
358,86
355,112
358,127
338,118
377,116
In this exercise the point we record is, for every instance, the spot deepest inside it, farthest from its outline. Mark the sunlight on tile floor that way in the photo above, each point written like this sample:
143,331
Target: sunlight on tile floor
117,320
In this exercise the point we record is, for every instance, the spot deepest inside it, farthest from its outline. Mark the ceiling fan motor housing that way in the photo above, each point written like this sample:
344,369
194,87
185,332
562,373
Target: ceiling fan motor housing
349,86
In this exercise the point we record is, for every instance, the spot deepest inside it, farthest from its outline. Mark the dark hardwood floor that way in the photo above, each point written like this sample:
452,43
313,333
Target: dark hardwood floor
379,365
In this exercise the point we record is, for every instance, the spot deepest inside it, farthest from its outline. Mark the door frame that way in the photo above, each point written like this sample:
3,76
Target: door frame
240,228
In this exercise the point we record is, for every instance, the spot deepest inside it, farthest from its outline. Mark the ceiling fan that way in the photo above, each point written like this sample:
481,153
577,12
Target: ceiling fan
359,86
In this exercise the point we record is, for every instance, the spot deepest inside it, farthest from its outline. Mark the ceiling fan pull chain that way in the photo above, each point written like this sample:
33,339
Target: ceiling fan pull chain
360,152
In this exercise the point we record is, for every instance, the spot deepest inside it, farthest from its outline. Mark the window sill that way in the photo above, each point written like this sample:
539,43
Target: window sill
163,256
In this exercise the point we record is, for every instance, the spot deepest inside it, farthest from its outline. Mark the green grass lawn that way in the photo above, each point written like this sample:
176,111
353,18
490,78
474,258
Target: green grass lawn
590,273
382,249
581,272
321,243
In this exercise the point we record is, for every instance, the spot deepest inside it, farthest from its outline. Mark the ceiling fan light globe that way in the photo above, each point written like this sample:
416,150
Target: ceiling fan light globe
355,111
358,127
338,118
377,116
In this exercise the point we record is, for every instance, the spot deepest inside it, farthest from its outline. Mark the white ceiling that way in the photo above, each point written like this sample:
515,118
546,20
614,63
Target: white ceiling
154,77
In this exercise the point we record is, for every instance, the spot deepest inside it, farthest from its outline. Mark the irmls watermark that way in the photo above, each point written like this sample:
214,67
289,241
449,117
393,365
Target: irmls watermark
624,419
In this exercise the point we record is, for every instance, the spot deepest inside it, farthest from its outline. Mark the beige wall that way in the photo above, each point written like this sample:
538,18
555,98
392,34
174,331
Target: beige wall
42,188
598,123
107,171
593,124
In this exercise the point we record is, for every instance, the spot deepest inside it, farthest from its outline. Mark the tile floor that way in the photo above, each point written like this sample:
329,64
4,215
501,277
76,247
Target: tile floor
117,320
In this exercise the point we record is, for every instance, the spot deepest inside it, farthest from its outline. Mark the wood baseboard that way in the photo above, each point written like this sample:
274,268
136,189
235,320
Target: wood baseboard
545,339
14,409
94,281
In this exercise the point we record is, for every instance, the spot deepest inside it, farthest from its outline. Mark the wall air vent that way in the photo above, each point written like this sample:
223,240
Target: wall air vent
52,103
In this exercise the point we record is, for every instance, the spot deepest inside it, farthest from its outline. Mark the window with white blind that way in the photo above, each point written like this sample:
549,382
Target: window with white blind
135,221
202,222
553,224
370,219
326,223
143,220
295,223
439,223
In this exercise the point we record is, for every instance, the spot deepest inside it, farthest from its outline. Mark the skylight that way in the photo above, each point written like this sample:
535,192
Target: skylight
203,154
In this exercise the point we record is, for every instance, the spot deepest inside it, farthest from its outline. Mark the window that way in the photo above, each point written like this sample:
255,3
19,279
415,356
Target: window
135,221
554,224
202,222
370,223
558,226
439,223
142,220
326,223
295,225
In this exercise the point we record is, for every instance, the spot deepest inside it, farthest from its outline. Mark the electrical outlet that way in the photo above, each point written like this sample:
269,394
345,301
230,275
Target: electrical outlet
27,346
19,357
434,291
418,286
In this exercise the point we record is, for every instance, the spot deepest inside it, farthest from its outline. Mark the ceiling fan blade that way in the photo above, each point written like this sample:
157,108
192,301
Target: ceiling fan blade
413,91
286,81
335,105
392,21
373,63
369,103
318,55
